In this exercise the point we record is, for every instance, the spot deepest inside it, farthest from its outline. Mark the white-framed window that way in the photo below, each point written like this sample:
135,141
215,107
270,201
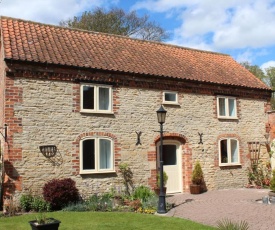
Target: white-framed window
96,98
96,155
170,97
227,107
229,153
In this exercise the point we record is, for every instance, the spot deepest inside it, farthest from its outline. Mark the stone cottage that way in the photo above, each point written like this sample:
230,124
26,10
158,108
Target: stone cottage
77,104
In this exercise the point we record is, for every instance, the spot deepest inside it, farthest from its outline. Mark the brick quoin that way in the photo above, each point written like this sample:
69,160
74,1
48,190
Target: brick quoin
270,126
13,96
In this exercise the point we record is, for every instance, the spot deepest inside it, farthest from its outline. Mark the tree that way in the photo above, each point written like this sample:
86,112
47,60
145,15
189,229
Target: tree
254,69
117,21
270,77
267,76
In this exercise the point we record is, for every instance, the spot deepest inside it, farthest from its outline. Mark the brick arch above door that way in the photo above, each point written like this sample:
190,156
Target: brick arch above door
172,136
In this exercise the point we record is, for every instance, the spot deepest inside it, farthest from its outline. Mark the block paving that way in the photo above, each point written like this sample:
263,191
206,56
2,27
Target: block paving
235,204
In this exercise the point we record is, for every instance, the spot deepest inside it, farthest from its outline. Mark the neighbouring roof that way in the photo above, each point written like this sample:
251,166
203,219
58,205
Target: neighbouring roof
35,42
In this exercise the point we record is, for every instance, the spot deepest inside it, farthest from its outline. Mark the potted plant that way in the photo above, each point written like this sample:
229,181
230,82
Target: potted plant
44,223
165,178
197,179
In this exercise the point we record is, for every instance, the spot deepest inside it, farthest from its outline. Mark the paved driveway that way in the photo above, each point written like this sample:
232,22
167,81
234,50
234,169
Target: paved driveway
234,204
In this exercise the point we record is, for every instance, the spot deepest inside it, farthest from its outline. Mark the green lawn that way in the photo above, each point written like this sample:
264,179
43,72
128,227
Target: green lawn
104,220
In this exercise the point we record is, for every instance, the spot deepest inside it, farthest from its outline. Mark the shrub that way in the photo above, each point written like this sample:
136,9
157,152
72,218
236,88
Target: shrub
259,175
40,205
127,176
227,224
11,207
25,202
165,179
135,205
151,202
100,203
77,207
35,203
142,193
60,192
197,174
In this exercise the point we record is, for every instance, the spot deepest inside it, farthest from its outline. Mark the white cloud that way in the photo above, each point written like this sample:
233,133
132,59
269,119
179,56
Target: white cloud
251,26
220,24
47,11
195,43
246,56
267,65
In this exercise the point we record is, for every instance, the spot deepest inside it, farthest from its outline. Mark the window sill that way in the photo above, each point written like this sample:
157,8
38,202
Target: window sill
170,103
229,165
228,118
96,172
96,112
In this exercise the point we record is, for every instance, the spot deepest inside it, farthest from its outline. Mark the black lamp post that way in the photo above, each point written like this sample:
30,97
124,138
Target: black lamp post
161,113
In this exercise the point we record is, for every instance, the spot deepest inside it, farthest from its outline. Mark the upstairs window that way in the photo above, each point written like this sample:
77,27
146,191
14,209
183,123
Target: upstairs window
96,98
229,153
96,155
170,97
227,107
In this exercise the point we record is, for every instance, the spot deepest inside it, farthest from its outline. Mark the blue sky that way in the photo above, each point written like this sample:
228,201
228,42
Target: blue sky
243,29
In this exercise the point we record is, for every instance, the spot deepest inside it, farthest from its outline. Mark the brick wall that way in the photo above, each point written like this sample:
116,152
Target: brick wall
270,126
43,112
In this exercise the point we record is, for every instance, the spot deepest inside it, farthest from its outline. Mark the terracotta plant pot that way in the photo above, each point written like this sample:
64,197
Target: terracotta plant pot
195,189
157,190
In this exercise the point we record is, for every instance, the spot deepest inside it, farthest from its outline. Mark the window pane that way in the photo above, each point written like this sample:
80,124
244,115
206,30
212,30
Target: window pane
222,106
232,107
105,157
223,151
88,154
88,97
170,97
234,151
169,155
104,99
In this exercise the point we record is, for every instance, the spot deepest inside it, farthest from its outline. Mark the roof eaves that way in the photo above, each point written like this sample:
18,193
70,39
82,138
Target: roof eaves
142,74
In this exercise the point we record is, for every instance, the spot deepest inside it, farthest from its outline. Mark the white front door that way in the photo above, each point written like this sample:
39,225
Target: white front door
171,165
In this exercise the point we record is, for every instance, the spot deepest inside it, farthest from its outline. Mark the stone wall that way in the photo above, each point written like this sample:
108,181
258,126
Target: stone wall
49,113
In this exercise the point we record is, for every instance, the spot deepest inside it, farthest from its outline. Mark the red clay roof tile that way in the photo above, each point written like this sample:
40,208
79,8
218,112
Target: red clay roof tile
36,42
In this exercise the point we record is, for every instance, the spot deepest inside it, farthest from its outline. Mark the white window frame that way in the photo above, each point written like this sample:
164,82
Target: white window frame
227,115
97,159
96,98
176,102
229,163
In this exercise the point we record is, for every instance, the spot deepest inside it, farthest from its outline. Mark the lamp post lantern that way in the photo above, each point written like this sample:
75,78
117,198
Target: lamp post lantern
161,113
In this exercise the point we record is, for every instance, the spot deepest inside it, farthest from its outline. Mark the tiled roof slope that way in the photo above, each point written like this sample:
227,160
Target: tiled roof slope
36,42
